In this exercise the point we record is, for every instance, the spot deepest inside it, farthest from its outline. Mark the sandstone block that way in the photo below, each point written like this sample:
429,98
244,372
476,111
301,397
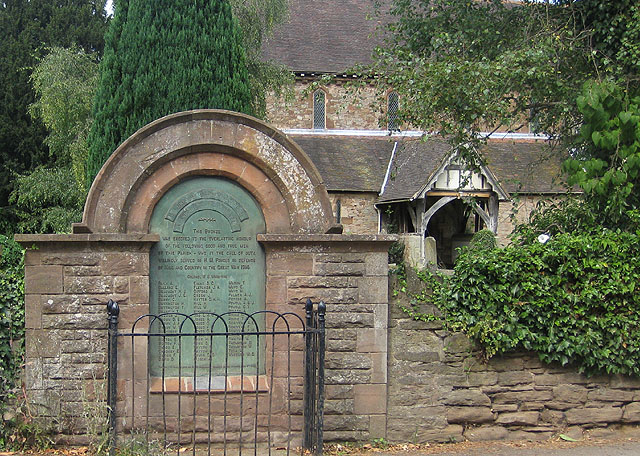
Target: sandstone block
74,321
381,316
624,381
516,397
376,264
348,361
43,279
342,422
552,416
33,311
125,264
370,340
378,426
573,394
552,379
88,285
82,271
70,258
479,379
610,395
379,367
458,343
486,433
631,413
290,265
339,406
322,282
504,364
339,392
121,285
349,320
467,398
42,344
328,295
504,408
519,418
373,290
515,378
346,377
590,415
139,289
339,269
471,415
532,406
370,399
338,345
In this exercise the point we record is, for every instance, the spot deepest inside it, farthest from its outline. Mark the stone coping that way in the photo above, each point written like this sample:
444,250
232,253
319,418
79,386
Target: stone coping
27,239
325,238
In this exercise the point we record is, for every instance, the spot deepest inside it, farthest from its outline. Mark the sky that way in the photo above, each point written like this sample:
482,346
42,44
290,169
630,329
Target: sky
109,7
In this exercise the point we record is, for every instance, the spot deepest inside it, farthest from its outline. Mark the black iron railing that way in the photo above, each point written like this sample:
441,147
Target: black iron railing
205,381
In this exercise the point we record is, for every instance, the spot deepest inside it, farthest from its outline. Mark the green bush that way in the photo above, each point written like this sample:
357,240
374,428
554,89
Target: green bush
572,300
483,240
11,323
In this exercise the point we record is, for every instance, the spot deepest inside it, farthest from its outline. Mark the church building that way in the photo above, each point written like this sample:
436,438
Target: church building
381,177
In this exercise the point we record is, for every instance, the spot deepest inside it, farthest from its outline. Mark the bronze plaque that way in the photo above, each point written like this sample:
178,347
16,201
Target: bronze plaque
208,261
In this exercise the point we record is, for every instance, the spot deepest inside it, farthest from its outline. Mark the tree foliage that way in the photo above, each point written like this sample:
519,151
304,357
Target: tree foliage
25,27
463,66
64,81
607,158
257,20
47,201
178,55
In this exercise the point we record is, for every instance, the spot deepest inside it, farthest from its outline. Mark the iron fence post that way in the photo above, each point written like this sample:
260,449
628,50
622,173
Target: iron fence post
319,420
307,441
112,373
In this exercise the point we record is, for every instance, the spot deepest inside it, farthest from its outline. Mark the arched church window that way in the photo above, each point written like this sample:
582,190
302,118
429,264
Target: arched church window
319,110
392,111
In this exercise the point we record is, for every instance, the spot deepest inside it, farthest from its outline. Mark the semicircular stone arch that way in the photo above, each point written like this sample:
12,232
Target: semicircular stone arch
271,167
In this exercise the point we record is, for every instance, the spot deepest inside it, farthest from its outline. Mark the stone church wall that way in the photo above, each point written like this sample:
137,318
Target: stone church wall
515,212
358,213
343,112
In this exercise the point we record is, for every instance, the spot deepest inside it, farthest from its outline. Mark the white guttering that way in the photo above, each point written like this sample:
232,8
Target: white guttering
386,176
380,133
402,134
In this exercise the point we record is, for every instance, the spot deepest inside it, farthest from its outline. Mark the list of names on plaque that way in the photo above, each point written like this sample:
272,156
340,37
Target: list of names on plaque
209,266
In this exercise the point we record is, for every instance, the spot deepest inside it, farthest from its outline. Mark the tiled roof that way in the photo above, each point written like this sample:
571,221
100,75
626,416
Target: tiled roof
526,167
324,36
414,163
349,163
359,163
519,167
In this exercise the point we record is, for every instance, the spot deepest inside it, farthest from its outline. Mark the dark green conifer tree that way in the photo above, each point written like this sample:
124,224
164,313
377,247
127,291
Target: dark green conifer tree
161,57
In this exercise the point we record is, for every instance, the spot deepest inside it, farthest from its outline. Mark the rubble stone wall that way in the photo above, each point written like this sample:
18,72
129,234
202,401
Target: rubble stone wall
440,390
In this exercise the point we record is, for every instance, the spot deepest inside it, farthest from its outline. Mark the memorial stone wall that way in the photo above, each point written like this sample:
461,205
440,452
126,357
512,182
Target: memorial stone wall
202,211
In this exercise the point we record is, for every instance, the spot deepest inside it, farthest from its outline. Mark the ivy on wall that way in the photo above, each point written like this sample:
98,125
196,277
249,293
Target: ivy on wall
11,322
572,300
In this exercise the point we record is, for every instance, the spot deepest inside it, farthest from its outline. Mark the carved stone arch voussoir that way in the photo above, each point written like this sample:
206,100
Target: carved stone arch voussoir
279,175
